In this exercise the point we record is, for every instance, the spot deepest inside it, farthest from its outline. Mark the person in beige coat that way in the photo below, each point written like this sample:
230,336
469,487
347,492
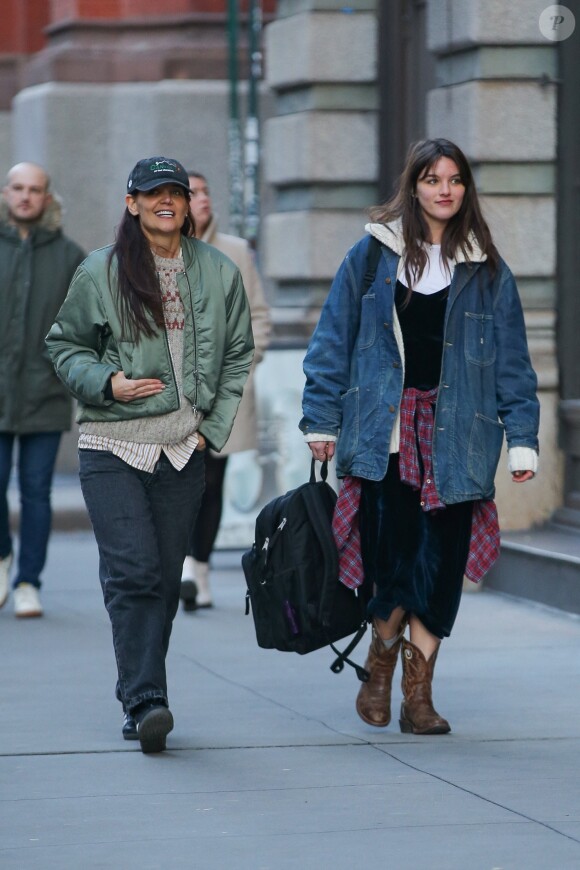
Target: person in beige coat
195,586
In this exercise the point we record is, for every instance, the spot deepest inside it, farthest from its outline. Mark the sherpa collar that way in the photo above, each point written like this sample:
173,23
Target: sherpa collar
391,235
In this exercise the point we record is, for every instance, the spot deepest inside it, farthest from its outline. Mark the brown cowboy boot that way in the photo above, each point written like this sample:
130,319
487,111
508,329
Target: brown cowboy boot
418,715
373,702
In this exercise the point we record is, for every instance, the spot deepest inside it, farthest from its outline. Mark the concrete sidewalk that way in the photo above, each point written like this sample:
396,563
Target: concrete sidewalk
268,767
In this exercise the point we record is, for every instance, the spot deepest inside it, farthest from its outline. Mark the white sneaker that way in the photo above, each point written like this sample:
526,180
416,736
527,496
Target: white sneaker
26,601
188,570
188,590
5,565
204,598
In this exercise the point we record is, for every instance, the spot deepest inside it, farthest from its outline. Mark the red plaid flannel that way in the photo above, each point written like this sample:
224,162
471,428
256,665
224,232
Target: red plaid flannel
346,533
417,417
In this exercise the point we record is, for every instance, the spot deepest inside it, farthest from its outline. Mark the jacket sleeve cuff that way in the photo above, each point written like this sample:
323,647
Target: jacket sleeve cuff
316,436
108,391
522,459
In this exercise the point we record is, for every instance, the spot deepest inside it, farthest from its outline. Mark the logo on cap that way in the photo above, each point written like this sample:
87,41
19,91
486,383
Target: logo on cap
164,166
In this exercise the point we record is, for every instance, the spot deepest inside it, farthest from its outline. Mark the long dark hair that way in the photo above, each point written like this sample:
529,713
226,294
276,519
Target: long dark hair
137,284
404,206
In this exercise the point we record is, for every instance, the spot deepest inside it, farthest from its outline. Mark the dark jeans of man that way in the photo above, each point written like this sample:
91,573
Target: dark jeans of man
207,526
142,522
36,461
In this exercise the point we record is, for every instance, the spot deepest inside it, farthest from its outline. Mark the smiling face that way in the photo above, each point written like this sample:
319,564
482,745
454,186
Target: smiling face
440,193
161,212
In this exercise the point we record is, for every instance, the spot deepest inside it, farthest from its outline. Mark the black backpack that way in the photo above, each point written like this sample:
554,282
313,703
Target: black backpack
298,603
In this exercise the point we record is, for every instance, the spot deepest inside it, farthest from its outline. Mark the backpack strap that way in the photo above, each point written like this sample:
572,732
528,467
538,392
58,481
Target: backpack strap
343,657
323,470
373,258
313,496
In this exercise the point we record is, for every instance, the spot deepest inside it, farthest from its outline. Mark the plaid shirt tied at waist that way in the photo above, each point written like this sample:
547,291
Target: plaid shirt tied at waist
416,470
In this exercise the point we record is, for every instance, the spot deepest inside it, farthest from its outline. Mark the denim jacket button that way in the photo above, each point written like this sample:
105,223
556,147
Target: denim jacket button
387,280
392,409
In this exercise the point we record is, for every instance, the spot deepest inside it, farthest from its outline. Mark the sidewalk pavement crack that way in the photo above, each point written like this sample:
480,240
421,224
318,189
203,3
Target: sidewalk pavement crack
475,794
273,701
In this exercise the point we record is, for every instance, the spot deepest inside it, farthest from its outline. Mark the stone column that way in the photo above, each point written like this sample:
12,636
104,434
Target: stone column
497,99
320,149
569,514
568,271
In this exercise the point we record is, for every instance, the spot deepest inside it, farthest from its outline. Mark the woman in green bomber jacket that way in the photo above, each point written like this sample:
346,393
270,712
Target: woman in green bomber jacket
155,341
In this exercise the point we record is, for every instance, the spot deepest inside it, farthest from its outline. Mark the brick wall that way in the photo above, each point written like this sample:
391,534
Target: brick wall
63,10
23,22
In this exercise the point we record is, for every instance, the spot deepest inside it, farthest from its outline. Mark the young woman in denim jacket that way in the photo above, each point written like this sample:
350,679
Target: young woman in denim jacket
414,385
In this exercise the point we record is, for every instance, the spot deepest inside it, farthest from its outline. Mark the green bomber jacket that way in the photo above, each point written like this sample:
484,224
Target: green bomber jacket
87,344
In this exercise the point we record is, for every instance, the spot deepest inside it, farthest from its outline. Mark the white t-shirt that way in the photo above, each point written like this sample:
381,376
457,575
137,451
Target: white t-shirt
436,274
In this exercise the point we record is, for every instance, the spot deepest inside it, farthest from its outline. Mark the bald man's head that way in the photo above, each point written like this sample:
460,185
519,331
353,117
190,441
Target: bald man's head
27,193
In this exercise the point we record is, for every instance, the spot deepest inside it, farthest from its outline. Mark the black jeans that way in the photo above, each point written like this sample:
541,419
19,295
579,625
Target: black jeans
209,517
142,522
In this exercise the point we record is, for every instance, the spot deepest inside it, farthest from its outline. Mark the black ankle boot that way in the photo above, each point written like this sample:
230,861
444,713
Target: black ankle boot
129,729
154,722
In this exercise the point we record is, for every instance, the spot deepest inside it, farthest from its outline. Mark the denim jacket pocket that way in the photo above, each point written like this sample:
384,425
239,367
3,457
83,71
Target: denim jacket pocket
368,322
485,443
349,427
479,343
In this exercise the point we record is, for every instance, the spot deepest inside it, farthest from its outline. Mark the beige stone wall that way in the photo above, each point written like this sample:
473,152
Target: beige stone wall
497,100
89,136
320,150
5,144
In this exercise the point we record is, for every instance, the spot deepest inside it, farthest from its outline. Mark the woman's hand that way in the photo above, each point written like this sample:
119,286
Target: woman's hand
201,442
127,390
522,476
322,450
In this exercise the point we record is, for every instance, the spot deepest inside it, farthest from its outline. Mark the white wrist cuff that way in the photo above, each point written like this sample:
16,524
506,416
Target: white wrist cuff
317,436
522,459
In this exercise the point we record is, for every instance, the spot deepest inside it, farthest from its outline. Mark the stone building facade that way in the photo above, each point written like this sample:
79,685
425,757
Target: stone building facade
92,85
87,87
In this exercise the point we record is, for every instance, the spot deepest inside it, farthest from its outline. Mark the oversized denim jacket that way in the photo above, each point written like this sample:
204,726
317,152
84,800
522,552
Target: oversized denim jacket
354,374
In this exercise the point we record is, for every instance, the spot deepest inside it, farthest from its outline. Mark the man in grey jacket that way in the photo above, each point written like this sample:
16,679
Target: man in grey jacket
37,263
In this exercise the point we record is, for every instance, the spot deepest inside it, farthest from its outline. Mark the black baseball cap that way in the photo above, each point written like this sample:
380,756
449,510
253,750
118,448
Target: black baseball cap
153,171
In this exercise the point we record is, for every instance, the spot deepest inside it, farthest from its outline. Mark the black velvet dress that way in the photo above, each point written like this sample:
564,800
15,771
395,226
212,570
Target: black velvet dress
416,559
